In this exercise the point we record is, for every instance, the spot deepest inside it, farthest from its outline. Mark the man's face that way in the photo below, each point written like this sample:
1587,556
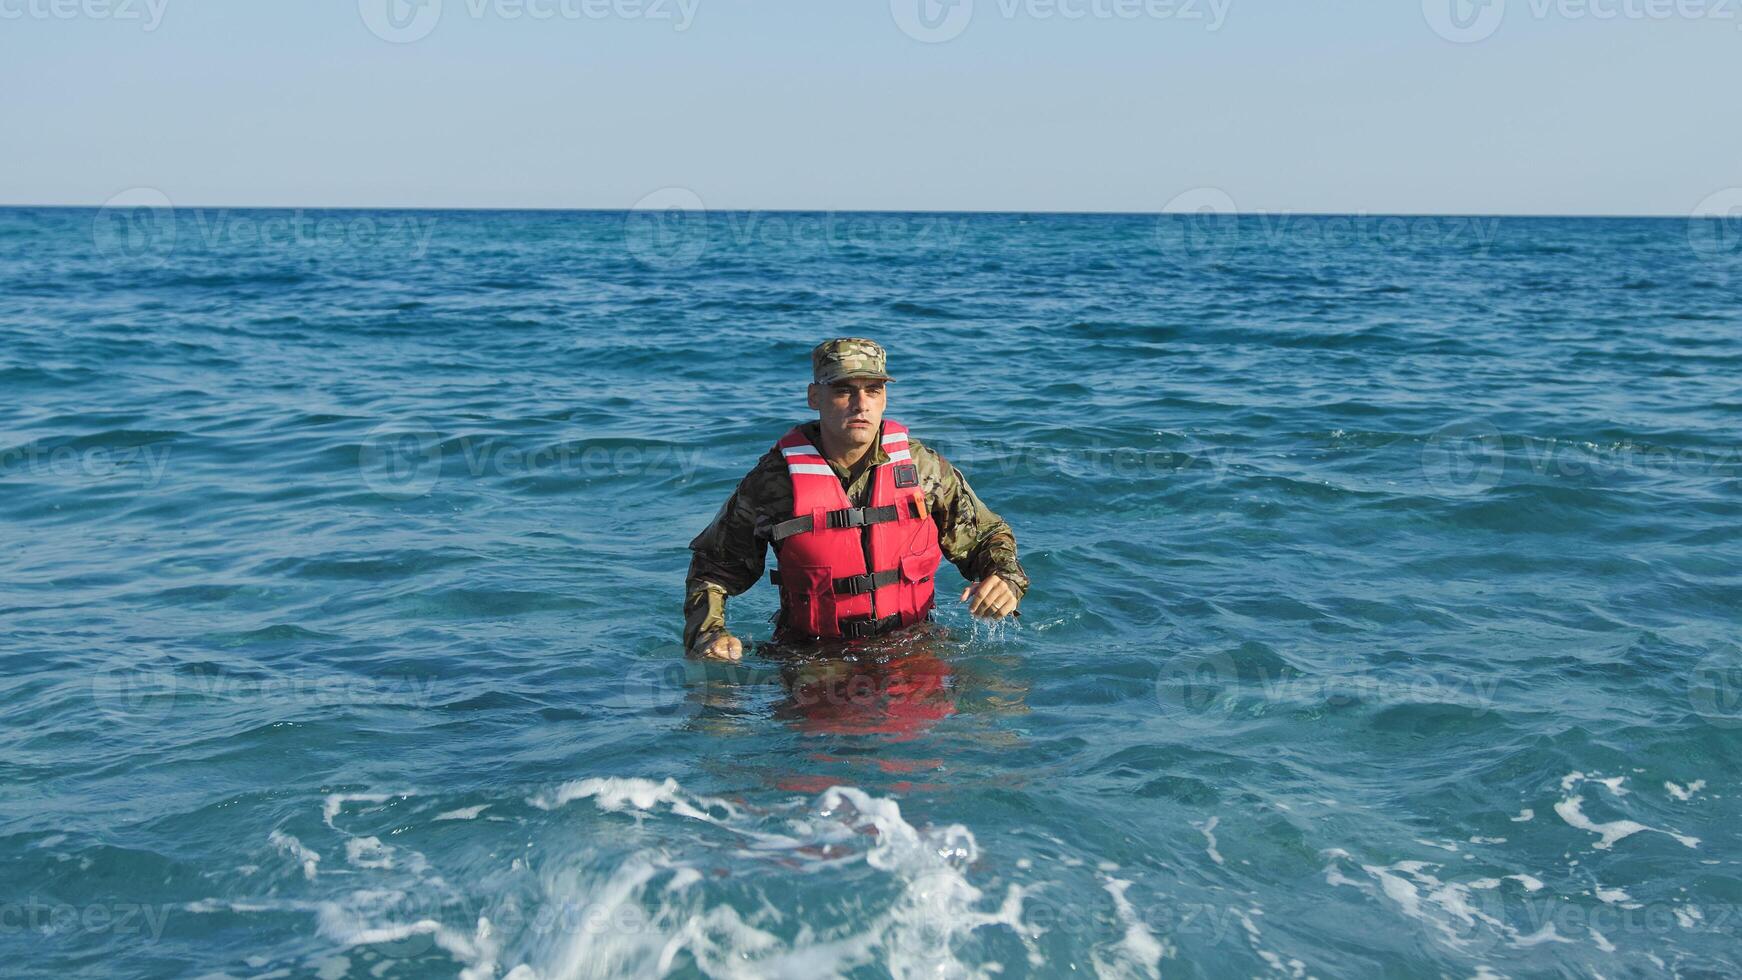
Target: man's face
851,410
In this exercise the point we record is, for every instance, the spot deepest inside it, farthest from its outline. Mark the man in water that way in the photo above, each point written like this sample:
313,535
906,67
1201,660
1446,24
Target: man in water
858,514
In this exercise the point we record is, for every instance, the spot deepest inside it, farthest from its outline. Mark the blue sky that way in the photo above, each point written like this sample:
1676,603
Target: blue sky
1551,107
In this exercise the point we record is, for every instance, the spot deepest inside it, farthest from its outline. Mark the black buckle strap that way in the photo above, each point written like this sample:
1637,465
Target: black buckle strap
842,519
861,584
847,517
864,627
862,516
855,584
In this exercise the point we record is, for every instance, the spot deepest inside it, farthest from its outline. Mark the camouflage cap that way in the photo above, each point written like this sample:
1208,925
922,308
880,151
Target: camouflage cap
848,357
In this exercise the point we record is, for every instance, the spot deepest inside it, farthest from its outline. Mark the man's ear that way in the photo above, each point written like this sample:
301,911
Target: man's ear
810,397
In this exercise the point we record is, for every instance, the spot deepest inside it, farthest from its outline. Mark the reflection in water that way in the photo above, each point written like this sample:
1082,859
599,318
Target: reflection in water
895,689
893,713
900,696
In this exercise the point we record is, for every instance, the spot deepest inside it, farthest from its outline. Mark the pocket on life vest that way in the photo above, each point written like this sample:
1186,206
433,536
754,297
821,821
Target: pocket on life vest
917,572
814,597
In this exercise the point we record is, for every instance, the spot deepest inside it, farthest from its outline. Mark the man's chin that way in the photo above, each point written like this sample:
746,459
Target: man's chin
858,434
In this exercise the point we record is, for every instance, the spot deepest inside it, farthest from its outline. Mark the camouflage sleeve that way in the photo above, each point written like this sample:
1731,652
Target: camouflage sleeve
728,557
973,538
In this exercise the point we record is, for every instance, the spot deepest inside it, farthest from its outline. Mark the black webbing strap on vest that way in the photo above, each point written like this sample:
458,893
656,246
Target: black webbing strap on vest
856,584
865,627
844,518
860,584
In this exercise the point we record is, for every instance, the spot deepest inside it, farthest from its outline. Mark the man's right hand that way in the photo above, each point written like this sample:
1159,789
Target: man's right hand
718,645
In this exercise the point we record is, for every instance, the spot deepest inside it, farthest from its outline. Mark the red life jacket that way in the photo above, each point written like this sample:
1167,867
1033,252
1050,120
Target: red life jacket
848,571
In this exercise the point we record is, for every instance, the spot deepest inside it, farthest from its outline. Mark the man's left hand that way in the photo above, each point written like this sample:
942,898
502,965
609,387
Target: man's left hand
990,598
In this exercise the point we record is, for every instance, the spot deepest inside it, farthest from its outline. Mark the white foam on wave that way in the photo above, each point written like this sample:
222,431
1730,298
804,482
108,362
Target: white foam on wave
350,927
1685,793
207,906
919,910
399,910
463,813
1138,952
1530,882
335,803
289,845
1447,907
613,794
933,910
1612,896
1546,934
1208,828
1571,810
617,794
1571,780
368,852
1291,968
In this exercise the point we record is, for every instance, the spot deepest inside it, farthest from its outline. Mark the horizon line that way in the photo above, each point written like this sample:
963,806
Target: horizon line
484,209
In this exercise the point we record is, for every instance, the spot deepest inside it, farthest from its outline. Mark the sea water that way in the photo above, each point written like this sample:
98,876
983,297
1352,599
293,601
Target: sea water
1384,612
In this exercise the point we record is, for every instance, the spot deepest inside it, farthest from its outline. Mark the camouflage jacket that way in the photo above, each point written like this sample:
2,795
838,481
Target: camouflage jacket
729,556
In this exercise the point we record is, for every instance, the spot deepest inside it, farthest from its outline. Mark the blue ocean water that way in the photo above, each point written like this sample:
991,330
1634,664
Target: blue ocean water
1384,618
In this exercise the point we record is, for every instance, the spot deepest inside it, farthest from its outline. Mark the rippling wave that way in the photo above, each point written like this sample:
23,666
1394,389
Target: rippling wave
1384,618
